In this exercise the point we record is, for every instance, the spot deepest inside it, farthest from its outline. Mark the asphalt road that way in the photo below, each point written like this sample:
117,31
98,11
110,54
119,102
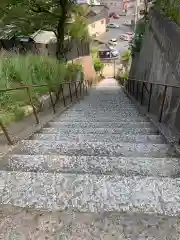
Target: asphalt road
116,32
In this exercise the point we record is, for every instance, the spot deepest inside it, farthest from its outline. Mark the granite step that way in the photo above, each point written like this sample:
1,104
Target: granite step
101,124
124,166
104,119
34,147
115,131
66,225
111,138
90,193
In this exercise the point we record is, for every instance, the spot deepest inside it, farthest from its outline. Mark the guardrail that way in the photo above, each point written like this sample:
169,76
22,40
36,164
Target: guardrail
80,87
137,89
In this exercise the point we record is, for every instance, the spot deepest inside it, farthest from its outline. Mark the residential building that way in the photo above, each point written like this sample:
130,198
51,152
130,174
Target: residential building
113,5
97,20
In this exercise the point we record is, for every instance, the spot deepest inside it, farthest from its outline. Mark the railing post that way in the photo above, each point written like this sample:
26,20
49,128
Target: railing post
6,133
70,91
137,90
76,90
142,89
80,88
31,102
62,91
133,87
162,105
50,95
150,94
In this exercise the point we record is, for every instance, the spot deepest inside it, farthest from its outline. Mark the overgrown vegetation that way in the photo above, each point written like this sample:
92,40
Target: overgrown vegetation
16,70
138,36
169,8
123,73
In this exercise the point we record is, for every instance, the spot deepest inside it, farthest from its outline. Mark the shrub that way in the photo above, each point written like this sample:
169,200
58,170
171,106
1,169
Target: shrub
98,65
18,70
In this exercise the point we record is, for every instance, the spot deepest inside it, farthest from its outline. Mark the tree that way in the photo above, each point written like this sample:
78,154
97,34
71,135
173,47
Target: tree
24,17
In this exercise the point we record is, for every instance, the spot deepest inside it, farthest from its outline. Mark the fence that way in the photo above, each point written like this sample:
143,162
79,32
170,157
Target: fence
78,48
64,90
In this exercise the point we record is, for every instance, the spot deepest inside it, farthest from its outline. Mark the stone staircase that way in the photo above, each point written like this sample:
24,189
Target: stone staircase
101,169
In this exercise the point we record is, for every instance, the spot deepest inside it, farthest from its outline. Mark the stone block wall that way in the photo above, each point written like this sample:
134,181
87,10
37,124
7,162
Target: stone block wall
159,61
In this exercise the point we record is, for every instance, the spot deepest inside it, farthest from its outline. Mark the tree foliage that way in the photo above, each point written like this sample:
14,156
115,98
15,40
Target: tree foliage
170,8
24,17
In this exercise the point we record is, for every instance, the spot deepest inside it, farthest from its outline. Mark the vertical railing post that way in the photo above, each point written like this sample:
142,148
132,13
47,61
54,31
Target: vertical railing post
137,90
142,89
133,84
31,102
150,94
70,91
62,91
53,106
80,88
162,105
6,133
76,90
114,68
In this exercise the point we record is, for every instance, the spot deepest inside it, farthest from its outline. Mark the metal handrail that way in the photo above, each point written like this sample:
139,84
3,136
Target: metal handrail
130,87
78,86
154,83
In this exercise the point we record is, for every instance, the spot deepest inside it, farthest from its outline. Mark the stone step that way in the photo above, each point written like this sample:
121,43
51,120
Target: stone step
102,119
103,115
124,166
67,225
90,193
101,124
34,147
115,131
111,138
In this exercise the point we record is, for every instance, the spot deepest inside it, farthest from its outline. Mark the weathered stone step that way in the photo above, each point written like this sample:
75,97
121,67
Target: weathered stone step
124,166
111,138
124,131
34,147
66,225
101,124
90,193
102,119
102,115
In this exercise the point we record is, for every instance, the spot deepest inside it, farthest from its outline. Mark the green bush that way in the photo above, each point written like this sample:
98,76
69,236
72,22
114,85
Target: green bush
98,65
17,70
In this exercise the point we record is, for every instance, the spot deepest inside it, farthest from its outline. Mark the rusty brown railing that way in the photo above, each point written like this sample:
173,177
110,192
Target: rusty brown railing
80,87
137,89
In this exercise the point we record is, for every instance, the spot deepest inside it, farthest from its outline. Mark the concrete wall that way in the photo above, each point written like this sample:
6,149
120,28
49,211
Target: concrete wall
159,61
97,27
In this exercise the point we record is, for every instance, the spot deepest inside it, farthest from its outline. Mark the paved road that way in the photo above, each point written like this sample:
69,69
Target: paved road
116,32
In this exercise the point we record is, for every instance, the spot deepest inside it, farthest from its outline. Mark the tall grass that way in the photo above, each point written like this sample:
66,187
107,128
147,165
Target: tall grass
18,70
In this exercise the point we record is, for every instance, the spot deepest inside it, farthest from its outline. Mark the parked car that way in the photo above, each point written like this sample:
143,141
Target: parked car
113,41
116,16
114,53
113,25
111,47
125,37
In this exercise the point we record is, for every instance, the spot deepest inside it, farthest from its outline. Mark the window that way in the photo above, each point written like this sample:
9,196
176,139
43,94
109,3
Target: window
102,21
93,25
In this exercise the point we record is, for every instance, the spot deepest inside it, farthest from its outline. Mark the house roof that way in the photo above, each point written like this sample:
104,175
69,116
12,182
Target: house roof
97,12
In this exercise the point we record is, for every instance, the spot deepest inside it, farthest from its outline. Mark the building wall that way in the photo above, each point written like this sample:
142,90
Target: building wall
97,27
113,5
